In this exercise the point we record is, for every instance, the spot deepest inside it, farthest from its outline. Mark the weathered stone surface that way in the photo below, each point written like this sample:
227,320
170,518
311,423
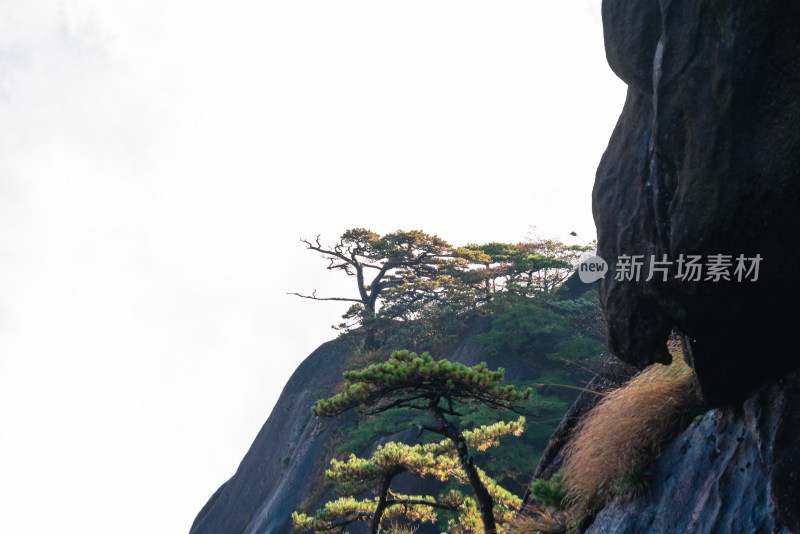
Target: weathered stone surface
631,37
735,471
705,160
277,473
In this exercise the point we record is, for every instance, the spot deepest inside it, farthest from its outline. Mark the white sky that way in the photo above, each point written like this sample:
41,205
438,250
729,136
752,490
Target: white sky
160,159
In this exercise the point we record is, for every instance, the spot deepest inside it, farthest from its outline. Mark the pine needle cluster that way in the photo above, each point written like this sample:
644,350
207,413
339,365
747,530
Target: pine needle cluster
439,460
407,379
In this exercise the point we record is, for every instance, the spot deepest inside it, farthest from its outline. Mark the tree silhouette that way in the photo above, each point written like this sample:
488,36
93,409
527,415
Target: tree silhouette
379,264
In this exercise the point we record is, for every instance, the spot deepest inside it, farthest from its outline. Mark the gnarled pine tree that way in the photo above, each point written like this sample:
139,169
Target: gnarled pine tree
380,264
358,475
407,380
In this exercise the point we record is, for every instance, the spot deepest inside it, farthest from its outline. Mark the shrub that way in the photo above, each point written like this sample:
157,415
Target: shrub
549,492
614,446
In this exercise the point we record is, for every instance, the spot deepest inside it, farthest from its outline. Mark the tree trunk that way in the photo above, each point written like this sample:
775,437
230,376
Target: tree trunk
368,322
485,500
370,341
375,528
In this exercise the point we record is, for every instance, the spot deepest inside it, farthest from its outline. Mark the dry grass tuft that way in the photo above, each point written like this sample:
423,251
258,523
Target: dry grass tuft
615,445
536,520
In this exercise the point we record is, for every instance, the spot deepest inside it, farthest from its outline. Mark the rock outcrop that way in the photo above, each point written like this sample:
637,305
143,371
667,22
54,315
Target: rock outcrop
705,160
278,472
734,471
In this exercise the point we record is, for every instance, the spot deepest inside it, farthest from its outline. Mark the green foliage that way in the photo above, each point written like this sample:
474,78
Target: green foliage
519,327
436,327
397,276
356,475
468,521
633,483
412,278
555,376
558,356
541,333
580,348
439,460
409,380
512,461
357,438
580,304
419,293
337,515
550,492
418,382
535,267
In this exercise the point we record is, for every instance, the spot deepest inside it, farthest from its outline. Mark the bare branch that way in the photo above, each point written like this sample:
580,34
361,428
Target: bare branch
337,252
313,296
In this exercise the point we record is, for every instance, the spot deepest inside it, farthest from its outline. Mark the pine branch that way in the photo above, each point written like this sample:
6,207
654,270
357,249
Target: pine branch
313,296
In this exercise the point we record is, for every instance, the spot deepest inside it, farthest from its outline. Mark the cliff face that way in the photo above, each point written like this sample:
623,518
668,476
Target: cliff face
277,473
736,470
705,160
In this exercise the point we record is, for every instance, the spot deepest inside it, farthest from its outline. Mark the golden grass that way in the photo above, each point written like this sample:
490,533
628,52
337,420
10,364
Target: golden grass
536,520
614,446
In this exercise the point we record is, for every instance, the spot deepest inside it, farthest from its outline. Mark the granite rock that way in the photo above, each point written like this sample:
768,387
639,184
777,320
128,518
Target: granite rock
705,160
736,470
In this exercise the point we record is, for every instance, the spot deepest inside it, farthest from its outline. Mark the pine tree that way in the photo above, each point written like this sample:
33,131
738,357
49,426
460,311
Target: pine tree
381,264
357,475
439,388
